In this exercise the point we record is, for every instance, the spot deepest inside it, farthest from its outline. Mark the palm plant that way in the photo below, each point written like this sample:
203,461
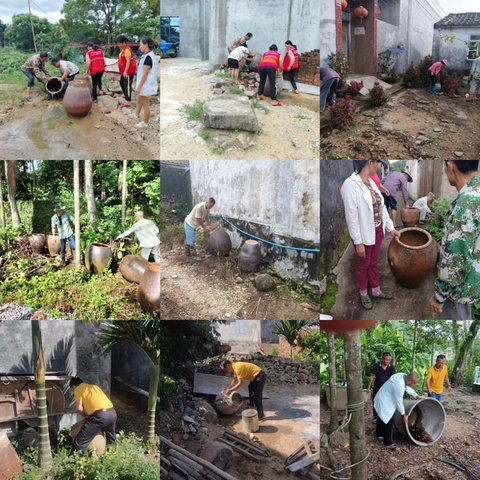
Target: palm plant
290,329
146,335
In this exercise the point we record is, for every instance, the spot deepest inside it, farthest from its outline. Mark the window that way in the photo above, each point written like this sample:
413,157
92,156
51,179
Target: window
388,11
170,29
239,326
474,47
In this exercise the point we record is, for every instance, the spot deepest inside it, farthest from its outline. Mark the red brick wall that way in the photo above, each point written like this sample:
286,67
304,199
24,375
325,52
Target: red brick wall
309,68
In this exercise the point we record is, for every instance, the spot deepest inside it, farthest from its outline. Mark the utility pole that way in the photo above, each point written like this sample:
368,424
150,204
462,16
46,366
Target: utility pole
31,23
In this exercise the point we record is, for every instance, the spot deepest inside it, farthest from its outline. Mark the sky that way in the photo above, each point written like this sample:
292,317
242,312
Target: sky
49,9
460,6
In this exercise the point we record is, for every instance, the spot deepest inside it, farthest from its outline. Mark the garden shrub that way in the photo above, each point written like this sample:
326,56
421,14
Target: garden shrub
411,77
168,392
392,76
342,114
435,226
423,67
378,97
354,87
451,85
338,61
385,61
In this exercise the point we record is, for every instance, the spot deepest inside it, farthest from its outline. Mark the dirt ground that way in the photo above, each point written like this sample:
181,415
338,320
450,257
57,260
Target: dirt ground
42,129
415,125
461,436
283,135
192,290
292,414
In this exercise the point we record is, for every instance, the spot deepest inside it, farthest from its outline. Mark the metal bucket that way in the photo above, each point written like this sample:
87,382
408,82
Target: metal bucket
228,404
427,415
250,421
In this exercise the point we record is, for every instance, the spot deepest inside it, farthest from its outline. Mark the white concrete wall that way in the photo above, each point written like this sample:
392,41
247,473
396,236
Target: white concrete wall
283,194
328,36
246,342
455,53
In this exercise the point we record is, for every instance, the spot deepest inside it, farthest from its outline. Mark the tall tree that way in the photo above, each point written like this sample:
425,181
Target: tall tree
414,347
20,31
76,193
44,449
34,178
2,210
145,335
455,332
124,193
332,373
290,330
464,349
92,210
11,173
353,366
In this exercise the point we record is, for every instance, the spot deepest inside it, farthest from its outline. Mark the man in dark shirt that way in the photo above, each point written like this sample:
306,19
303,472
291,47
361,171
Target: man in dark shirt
381,372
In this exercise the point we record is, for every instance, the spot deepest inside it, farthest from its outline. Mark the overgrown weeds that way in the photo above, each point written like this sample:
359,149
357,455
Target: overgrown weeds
192,112
257,104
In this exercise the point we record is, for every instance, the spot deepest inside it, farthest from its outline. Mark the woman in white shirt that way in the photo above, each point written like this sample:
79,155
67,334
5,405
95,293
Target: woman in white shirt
367,220
234,58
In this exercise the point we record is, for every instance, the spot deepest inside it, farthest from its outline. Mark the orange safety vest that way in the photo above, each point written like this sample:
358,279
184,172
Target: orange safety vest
97,62
286,60
270,59
123,62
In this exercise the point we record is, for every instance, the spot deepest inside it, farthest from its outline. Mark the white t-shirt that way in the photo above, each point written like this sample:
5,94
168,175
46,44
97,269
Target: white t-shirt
150,87
238,53
66,65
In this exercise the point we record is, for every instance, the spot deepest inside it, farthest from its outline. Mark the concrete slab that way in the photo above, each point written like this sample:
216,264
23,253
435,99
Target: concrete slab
302,87
214,384
368,82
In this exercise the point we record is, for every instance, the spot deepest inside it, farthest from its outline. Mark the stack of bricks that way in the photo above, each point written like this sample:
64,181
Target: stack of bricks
309,68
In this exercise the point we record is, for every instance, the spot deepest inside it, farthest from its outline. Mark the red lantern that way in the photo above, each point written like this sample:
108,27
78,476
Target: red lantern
344,4
361,12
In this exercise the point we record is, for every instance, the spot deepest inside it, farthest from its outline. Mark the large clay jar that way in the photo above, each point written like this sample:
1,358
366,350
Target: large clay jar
53,245
148,292
98,443
410,216
249,257
37,242
10,464
412,256
133,267
97,256
218,242
78,99
228,404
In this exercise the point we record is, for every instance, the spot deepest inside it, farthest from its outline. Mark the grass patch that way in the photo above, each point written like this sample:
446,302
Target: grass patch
174,234
223,74
328,299
256,104
301,117
217,150
234,90
204,133
192,112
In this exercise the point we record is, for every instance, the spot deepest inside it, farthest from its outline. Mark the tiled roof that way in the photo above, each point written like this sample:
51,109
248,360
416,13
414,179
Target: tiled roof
177,162
460,20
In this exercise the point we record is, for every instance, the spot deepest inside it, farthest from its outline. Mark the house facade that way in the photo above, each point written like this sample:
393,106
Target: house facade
402,26
457,38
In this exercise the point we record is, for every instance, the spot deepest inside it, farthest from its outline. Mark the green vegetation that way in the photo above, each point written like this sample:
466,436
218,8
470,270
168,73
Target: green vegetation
168,392
222,74
234,90
436,226
273,351
204,133
301,117
257,104
192,112
217,150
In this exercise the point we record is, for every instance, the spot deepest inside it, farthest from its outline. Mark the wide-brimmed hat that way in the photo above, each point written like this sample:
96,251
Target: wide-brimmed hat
59,207
384,162
410,179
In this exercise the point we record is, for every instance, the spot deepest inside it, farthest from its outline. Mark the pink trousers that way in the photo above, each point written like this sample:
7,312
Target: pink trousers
367,268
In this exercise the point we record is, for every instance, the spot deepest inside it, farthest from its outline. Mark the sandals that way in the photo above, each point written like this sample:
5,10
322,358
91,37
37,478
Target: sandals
366,302
384,296
125,105
278,104
393,447
29,99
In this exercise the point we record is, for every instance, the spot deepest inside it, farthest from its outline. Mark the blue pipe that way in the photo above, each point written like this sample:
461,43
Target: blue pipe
266,241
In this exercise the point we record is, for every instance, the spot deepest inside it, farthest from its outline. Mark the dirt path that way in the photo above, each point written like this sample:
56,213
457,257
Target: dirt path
413,125
284,135
42,129
192,290
461,436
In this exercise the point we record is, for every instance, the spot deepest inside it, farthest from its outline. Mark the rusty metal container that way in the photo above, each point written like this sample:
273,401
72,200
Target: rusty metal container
37,242
412,256
148,292
10,464
98,443
133,267
217,241
249,257
97,256
228,404
53,245
410,216
77,100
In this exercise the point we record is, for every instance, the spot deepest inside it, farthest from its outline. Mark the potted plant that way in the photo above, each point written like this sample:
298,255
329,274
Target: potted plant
384,63
338,61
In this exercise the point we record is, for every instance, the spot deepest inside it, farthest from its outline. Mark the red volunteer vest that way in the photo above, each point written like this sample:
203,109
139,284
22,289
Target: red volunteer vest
97,63
286,60
270,59
123,62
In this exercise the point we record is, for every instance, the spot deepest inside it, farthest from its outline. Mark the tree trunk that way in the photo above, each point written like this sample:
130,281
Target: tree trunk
2,210
353,366
44,449
332,373
11,173
432,353
152,403
76,192
455,328
464,349
89,192
124,193
414,346
34,177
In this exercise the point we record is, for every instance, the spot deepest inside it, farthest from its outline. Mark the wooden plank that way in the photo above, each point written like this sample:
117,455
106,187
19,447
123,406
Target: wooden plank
213,384
239,449
240,440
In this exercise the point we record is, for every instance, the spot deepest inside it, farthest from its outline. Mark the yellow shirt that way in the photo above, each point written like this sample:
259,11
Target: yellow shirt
199,211
437,378
245,370
92,397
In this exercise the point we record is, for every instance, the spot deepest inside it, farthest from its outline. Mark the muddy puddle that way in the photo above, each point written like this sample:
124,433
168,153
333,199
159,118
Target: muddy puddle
312,102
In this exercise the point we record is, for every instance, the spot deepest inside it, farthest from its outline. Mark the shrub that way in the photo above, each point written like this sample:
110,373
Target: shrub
392,76
168,392
273,351
423,67
342,113
338,61
385,61
411,77
452,85
378,97
436,225
354,87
